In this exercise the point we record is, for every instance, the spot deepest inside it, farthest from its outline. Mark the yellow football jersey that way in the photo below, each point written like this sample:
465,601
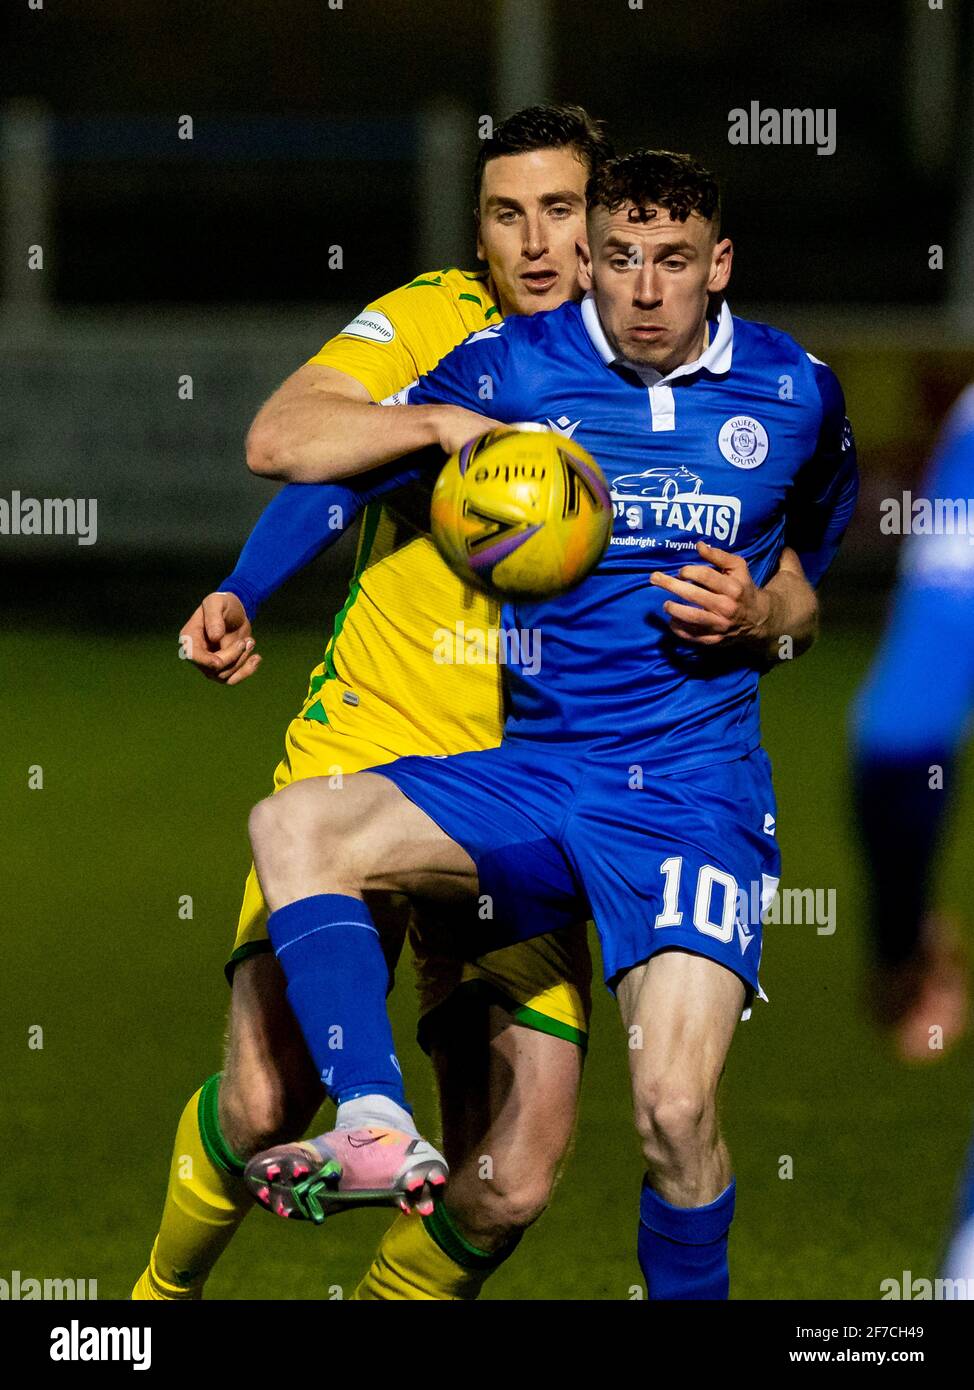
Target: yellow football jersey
391,685
394,670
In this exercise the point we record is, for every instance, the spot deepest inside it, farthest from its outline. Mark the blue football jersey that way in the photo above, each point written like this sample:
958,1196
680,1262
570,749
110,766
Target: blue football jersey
748,448
901,712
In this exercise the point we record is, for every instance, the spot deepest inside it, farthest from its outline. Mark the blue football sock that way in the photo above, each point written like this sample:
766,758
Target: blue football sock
337,981
683,1250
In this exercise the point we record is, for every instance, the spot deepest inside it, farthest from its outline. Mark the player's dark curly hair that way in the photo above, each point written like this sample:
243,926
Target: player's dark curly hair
545,127
660,178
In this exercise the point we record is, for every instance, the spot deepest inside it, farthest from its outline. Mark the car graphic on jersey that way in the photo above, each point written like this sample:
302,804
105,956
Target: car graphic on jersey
668,483
672,499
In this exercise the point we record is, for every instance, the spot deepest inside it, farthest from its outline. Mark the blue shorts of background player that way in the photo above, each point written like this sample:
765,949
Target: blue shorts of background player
662,862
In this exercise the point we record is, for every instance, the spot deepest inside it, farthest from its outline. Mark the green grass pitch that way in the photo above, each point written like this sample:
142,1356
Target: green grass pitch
148,775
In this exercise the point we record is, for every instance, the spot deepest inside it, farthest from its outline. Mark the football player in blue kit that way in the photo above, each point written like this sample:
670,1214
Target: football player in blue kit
630,782
908,732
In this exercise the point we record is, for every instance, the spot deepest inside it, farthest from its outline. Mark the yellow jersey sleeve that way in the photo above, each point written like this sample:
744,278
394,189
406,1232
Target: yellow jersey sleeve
403,334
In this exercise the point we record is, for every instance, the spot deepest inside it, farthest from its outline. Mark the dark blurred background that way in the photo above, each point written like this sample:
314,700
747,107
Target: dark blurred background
212,262
355,126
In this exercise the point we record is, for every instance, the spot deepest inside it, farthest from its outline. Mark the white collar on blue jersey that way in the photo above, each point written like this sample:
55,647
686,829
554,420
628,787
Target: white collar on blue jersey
715,358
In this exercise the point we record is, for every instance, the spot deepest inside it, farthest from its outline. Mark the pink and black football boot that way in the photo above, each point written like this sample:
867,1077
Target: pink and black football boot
347,1168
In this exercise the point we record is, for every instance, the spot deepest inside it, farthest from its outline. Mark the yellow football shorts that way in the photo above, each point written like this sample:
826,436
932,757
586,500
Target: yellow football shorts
544,983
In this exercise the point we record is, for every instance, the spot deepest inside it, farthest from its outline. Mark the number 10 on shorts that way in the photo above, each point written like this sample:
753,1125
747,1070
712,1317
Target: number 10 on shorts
715,901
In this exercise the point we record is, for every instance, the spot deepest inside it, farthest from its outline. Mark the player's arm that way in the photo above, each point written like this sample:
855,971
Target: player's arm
827,486
320,425
721,604
385,346
298,524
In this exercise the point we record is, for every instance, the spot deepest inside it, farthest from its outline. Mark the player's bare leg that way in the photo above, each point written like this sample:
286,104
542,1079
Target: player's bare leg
315,837
923,1002
508,1098
319,850
269,1089
685,1008
680,1011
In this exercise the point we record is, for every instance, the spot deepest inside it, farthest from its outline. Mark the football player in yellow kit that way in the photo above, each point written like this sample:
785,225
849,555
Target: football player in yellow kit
506,1034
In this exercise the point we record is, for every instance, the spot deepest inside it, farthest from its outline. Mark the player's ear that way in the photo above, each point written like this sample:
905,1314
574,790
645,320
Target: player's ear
720,266
481,253
584,264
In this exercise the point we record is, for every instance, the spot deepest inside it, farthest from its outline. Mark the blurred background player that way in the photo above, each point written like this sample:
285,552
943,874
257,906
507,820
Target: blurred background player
909,724
507,1051
909,727
959,1263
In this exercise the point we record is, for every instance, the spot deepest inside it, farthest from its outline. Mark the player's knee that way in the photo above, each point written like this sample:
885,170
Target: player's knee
263,827
496,1210
287,825
260,1110
672,1119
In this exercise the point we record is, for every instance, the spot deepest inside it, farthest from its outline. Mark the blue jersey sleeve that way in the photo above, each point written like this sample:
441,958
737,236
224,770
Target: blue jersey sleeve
301,521
827,486
473,375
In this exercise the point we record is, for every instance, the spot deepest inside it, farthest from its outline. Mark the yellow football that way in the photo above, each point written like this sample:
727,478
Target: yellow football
521,512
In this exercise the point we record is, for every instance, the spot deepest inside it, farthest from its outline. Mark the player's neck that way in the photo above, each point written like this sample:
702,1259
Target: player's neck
494,295
698,346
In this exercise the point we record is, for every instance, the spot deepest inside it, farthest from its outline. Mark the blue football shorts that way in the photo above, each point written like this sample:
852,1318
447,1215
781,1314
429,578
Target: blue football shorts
561,832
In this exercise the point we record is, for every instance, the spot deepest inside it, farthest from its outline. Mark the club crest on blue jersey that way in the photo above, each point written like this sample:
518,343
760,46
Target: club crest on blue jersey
743,441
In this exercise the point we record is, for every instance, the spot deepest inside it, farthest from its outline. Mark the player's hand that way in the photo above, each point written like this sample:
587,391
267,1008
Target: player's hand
455,426
218,640
721,602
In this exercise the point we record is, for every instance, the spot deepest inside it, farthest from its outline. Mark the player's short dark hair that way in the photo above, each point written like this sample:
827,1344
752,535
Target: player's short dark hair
545,127
659,178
